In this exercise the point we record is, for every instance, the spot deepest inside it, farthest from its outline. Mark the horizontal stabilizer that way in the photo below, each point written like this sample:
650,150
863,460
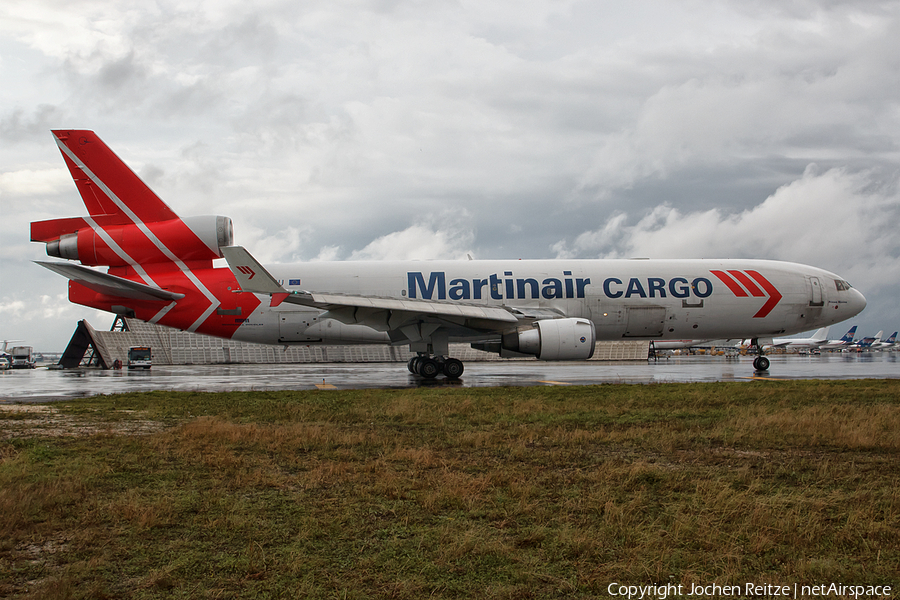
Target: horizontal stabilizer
104,283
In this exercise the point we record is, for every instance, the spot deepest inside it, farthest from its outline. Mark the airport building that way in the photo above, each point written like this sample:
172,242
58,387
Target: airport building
93,347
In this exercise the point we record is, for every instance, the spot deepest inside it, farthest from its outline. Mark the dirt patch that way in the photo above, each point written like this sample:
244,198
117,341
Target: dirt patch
43,551
40,420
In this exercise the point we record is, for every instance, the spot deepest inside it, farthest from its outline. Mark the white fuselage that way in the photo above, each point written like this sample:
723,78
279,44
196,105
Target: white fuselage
640,299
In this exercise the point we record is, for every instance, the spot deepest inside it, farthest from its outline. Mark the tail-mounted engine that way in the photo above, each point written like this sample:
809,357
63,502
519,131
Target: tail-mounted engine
554,339
116,244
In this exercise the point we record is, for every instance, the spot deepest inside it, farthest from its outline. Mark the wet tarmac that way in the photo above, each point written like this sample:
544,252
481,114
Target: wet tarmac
41,385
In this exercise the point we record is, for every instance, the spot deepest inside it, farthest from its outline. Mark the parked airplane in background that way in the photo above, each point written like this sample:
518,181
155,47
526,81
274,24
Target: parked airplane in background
844,341
867,343
6,357
819,338
160,270
888,343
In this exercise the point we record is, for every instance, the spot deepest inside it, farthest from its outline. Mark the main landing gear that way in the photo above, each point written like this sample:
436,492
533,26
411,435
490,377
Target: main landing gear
430,367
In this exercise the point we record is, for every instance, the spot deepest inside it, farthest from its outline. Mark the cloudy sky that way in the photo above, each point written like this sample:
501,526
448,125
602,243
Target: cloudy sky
332,130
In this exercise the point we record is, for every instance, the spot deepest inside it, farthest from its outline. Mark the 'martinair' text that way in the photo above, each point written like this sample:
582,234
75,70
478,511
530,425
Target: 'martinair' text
497,287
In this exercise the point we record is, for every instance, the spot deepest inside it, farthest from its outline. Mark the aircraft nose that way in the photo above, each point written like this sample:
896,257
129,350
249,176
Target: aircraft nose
857,302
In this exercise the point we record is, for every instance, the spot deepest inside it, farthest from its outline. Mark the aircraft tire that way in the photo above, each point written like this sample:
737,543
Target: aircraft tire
429,368
453,368
411,365
761,363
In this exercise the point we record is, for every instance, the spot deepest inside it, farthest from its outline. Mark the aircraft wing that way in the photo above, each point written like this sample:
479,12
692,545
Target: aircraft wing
382,314
110,285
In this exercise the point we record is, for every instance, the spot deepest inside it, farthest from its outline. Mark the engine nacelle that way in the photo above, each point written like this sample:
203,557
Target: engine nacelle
555,339
191,239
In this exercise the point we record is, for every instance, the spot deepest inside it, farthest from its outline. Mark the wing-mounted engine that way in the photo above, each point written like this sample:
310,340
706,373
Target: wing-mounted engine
554,339
112,243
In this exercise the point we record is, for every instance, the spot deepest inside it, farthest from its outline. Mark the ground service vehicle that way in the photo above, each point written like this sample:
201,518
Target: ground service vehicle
22,357
140,357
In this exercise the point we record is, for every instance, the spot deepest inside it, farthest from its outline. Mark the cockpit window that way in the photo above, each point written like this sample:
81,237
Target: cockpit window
841,285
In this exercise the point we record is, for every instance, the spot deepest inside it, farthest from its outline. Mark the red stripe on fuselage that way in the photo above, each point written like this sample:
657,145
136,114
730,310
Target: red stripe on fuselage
736,289
748,283
774,295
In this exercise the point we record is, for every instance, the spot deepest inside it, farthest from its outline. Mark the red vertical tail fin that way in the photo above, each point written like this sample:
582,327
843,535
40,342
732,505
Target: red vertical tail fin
106,184
134,233
128,224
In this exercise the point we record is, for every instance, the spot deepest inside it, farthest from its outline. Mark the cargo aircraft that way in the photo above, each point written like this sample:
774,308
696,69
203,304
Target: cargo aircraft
159,268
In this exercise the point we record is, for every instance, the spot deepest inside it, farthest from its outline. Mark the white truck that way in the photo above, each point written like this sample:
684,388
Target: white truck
22,357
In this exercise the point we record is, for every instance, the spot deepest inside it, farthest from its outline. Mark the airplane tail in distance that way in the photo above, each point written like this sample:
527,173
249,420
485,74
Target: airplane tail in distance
128,224
821,334
893,338
848,337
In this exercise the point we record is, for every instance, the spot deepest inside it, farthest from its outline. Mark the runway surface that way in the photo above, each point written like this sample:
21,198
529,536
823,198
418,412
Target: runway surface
41,385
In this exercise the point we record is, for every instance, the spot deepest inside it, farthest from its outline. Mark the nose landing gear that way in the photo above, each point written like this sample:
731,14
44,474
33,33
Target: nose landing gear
760,363
430,367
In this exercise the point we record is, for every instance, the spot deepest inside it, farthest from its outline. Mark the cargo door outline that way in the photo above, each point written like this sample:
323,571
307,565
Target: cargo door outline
815,291
645,321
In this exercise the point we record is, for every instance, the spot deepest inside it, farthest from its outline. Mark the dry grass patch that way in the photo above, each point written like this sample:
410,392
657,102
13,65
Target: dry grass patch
454,493
853,427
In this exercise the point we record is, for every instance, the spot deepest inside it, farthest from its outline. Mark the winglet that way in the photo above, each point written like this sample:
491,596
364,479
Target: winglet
252,276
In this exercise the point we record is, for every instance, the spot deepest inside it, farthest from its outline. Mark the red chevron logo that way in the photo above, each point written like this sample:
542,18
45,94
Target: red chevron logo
246,271
744,283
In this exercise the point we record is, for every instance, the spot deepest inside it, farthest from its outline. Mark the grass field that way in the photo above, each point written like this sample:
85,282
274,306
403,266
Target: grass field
537,492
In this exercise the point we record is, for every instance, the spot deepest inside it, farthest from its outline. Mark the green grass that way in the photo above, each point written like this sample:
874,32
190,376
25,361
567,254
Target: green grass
464,493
